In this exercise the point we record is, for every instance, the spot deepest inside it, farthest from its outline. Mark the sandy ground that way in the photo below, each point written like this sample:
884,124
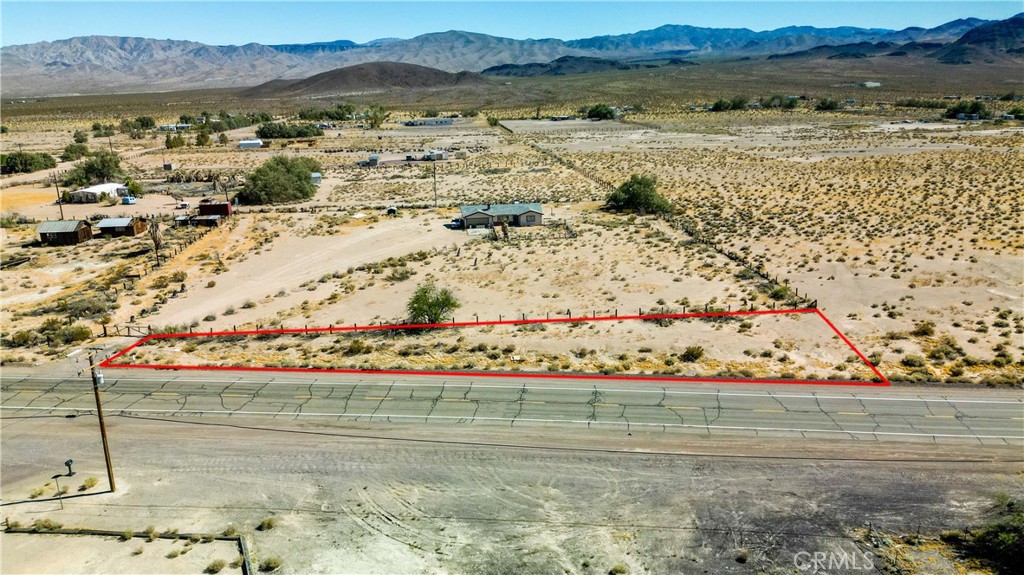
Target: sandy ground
799,346
427,499
862,216
34,554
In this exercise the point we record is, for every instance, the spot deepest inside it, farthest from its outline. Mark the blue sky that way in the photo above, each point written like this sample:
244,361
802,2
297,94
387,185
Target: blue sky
275,22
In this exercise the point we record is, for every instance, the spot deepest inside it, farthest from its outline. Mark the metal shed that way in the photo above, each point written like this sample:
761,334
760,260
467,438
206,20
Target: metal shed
64,232
121,227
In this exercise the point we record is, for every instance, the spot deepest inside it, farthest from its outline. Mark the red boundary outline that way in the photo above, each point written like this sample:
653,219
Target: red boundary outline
108,363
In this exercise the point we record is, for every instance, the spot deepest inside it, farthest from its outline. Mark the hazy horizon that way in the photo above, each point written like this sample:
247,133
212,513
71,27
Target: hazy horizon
285,22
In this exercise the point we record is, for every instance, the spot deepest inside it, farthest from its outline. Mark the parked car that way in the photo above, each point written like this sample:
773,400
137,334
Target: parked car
128,200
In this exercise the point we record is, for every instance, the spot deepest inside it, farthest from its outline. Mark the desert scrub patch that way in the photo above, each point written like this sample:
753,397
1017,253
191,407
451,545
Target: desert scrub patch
692,353
46,525
271,564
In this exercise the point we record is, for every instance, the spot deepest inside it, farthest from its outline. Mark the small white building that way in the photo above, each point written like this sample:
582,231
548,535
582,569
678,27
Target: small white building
247,144
870,84
98,193
316,178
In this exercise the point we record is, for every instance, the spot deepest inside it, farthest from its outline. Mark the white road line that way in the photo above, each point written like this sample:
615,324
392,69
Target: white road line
519,419
450,385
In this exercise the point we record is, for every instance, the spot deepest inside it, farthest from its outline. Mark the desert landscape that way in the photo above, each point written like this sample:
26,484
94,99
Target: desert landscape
774,210
686,300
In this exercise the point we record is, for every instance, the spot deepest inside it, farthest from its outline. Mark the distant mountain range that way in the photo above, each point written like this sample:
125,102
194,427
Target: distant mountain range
106,64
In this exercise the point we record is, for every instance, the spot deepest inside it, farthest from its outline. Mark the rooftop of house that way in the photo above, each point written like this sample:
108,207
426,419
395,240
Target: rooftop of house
502,209
100,188
60,226
115,222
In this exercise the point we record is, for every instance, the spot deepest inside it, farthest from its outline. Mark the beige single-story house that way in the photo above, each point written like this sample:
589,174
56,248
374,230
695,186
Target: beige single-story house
489,215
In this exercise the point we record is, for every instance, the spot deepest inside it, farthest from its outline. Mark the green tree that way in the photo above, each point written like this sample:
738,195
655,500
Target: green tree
601,112
222,139
102,130
100,168
493,122
3,129
827,104
739,102
175,141
270,130
134,187
376,116
146,122
128,126
280,179
430,304
968,108
721,105
639,193
203,138
26,162
74,152
81,136
778,101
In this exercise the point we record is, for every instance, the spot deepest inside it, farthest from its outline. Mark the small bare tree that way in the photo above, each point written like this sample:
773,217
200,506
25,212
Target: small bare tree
158,239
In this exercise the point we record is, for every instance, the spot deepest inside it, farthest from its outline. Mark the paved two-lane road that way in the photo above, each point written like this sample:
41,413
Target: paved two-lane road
819,412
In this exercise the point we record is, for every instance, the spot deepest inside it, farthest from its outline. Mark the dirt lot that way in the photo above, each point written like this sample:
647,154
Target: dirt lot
866,219
426,499
34,553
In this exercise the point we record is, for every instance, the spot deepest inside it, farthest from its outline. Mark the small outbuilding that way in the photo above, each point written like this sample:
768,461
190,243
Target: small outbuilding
249,144
206,221
214,209
122,227
317,177
64,232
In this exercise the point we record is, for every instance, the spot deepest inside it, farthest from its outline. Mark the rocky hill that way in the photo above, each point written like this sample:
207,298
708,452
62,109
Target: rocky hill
364,78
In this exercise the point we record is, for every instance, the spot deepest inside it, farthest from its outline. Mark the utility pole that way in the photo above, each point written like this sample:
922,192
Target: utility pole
110,144
435,184
97,380
60,201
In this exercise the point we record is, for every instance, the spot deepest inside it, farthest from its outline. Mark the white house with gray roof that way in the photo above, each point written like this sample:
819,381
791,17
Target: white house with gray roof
489,215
